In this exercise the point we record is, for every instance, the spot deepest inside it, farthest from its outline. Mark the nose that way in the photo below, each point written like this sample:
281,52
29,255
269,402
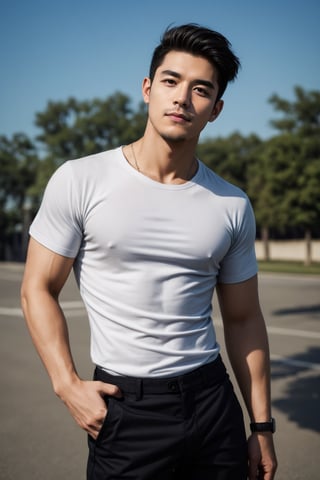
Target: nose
182,96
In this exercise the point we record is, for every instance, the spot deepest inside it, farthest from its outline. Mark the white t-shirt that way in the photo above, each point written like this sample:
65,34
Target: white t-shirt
147,258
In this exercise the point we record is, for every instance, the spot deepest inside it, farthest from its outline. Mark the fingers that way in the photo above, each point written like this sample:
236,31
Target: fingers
94,429
86,403
95,423
89,418
109,389
262,458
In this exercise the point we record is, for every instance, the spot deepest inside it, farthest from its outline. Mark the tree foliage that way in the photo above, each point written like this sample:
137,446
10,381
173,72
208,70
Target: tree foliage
73,128
285,182
297,156
230,157
300,116
18,165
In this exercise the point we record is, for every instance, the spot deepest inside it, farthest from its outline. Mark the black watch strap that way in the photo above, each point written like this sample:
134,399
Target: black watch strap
263,426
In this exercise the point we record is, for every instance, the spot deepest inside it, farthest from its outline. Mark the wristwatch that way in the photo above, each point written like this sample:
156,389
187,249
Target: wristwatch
263,426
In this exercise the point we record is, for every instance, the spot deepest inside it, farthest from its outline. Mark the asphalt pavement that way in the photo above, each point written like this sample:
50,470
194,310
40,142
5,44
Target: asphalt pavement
40,441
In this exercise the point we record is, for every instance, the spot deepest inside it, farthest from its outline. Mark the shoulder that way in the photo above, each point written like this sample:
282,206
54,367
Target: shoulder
218,185
79,181
93,164
228,196
85,173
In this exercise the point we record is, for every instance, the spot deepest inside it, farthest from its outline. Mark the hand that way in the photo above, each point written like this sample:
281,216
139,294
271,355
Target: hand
86,404
262,457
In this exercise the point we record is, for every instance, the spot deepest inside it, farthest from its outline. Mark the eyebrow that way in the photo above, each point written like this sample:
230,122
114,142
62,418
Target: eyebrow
197,81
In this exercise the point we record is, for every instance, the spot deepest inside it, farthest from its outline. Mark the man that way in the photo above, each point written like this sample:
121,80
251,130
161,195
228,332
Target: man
150,232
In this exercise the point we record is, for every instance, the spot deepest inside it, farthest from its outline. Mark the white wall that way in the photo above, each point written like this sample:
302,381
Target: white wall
289,250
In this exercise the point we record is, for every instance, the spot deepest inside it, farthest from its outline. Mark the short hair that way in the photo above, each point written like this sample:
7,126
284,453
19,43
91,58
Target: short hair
200,41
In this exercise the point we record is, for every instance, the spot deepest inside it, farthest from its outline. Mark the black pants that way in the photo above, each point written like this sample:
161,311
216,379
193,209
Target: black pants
183,428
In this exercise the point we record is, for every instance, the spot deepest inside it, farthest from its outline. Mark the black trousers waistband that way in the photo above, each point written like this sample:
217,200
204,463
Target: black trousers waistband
207,375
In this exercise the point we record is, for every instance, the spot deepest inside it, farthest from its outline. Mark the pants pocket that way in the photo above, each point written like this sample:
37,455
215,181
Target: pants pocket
102,451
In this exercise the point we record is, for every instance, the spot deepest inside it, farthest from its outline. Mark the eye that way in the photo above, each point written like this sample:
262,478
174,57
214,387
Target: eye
169,81
202,91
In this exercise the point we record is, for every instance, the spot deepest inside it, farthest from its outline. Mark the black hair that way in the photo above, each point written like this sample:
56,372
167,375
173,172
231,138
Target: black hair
200,41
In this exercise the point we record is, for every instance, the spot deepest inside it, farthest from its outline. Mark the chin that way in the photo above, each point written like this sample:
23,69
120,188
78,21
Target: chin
174,138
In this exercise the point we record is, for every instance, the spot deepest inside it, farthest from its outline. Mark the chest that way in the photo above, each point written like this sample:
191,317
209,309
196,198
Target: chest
188,228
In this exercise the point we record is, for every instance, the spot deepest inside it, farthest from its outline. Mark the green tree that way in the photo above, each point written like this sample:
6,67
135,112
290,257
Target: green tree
300,116
270,177
285,181
73,129
230,157
18,164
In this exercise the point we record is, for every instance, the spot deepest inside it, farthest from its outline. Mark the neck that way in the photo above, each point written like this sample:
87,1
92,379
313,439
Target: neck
161,160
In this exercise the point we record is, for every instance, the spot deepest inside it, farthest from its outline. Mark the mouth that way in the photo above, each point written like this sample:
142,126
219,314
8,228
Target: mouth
178,117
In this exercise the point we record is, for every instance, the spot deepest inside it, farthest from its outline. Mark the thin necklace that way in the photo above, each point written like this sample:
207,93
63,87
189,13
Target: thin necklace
189,176
134,158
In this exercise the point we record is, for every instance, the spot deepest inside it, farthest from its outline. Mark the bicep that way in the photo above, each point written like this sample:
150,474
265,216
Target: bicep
239,301
45,270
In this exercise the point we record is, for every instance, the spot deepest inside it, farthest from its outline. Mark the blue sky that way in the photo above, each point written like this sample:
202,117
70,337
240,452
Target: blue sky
50,50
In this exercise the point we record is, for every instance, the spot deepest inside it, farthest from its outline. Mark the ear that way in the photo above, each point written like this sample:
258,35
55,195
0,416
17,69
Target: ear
216,110
146,87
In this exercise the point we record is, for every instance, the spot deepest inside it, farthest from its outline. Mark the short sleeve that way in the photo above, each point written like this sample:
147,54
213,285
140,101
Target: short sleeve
240,264
57,224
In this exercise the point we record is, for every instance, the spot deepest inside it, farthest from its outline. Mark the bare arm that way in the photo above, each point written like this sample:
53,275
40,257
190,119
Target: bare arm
248,351
45,275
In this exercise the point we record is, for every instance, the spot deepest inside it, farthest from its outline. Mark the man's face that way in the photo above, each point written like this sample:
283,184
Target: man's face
182,96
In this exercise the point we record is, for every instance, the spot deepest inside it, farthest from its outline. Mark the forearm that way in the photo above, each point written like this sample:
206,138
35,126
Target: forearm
49,332
248,351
